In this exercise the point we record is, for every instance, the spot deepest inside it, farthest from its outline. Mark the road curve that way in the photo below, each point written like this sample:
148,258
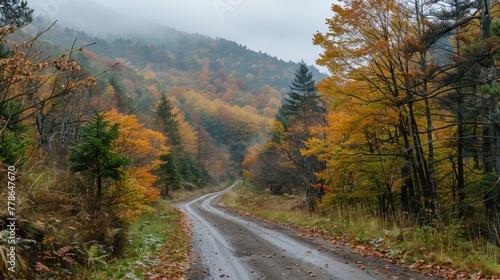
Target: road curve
239,247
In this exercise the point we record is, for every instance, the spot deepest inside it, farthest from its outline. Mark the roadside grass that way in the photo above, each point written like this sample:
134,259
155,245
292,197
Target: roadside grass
445,250
158,248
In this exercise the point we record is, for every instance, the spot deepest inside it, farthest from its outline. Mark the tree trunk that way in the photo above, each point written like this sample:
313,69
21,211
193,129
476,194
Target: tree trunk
460,160
99,187
410,195
432,189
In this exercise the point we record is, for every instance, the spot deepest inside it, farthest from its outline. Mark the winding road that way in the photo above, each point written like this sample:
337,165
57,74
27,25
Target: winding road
227,245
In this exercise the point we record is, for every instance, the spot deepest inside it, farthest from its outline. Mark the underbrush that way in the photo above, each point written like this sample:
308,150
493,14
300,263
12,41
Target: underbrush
63,233
157,248
58,226
446,250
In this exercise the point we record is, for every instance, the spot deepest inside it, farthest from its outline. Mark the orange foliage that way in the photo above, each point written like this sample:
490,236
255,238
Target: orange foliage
143,146
250,160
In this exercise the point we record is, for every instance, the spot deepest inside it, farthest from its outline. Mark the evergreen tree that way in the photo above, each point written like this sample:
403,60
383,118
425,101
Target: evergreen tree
302,110
15,12
168,124
181,165
13,134
94,157
303,99
123,102
169,173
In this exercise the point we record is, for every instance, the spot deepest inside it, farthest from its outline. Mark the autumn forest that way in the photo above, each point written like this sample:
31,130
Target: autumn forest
95,130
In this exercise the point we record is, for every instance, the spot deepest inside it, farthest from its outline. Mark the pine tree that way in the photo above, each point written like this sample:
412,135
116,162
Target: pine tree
169,173
168,124
94,156
302,110
13,134
15,12
303,100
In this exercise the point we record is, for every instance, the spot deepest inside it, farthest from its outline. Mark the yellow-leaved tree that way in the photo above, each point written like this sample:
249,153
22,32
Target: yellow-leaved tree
390,87
144,147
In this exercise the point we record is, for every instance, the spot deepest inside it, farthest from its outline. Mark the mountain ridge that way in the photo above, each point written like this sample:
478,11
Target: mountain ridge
224,94
76,16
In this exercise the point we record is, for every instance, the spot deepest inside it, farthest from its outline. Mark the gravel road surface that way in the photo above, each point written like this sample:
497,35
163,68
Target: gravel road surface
230,246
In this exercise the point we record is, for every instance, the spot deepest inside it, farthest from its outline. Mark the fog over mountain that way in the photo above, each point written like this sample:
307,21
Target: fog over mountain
282,28
97,20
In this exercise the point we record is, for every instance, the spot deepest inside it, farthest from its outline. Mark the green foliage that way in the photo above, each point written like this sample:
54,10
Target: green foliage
178,166
169,175
123,102
493,89
15,12
301,112
12,146
13,137
191,172
168,124
495,28
156,243
94,156
302,99
94,256
484,184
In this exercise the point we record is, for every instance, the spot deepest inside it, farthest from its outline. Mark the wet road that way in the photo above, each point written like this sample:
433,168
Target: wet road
228,245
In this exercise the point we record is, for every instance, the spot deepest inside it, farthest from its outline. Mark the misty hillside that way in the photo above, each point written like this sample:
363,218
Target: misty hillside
166,47
224,95
182,51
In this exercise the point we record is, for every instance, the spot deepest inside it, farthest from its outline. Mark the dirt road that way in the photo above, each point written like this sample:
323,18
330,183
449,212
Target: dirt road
227,245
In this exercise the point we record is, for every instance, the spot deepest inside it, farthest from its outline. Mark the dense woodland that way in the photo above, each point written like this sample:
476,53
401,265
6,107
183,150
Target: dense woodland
94,129
412,121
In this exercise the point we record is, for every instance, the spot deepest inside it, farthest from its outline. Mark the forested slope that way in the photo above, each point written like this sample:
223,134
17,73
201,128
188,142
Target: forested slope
94,130
217,87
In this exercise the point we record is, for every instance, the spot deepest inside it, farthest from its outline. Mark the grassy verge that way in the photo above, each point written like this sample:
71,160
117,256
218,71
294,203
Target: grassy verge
443,250
158,248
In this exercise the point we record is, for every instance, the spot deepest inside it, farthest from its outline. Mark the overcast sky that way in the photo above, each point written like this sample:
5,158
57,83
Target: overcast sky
281,28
